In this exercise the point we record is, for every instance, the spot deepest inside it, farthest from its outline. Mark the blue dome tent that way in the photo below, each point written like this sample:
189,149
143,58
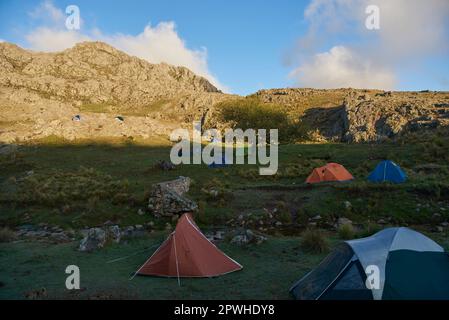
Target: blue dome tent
387,171
224,163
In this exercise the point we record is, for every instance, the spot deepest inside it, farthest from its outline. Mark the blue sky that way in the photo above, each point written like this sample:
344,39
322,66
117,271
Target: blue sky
251,44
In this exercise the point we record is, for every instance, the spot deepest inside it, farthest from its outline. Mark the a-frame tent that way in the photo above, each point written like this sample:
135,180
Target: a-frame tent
187,253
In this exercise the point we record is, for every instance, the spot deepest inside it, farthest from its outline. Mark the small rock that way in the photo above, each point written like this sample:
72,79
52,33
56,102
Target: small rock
347,204
342,221
115,233
149,224
60,237
165,165
95,239
140,212
247,237
219,235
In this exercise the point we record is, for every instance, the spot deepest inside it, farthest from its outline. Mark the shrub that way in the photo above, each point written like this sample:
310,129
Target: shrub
313,241
369,230
251,112
7,235
283,214
217,192
346,232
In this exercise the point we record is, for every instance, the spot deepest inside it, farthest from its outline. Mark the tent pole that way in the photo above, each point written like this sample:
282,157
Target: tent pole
176,257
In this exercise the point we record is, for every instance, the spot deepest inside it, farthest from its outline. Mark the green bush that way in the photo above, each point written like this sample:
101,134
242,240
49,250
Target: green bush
283,213
251,113
369,230
346,232
314,241
7,235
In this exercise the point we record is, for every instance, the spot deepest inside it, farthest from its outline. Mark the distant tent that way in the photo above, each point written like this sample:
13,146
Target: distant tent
329,172
387,171
223,163
411,267
187,253
119,118
76,118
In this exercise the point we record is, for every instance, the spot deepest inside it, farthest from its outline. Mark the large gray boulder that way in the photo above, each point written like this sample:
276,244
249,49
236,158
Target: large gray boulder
166,198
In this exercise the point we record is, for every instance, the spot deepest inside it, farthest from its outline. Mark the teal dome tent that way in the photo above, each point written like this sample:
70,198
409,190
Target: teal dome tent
410,267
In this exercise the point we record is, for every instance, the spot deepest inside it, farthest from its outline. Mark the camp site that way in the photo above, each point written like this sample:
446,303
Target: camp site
237,234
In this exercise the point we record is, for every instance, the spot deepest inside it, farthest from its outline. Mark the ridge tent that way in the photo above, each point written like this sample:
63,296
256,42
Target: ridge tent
187,253
387,171
411,267
329,172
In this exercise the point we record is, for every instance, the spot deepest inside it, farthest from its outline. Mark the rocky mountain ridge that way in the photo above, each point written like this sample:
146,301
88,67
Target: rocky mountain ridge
40,93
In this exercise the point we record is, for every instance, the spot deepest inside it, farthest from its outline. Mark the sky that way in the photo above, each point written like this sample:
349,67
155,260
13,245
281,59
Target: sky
245,46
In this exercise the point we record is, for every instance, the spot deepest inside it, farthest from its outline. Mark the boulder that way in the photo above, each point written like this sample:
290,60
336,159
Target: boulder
166,198
165,165
8,149
180,185
114,233
245,237
342,221
95,239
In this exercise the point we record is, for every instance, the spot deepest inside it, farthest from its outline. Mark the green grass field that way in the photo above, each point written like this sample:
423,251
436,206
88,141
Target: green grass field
77,185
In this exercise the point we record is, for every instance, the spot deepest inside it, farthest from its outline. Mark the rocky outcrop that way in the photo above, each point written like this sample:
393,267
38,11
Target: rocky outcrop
167,198
351,115
386,115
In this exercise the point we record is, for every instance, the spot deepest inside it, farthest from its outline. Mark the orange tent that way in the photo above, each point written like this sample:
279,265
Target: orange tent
188,253
330,172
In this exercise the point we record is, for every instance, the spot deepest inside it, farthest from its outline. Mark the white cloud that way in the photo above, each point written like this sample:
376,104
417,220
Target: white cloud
410,32
47,11
157,44
50,39
342,68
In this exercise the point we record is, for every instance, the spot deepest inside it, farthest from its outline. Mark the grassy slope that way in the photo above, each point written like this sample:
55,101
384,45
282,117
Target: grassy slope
267,273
